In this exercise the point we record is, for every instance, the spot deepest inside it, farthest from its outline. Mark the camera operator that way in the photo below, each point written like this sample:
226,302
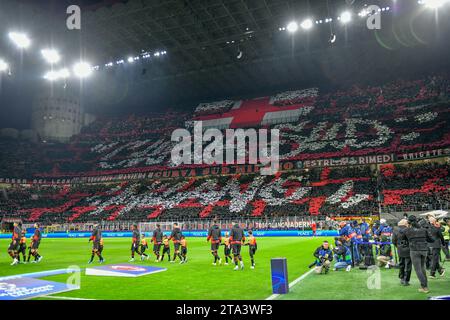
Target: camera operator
401,243
324,256
342,256
418,239
436,234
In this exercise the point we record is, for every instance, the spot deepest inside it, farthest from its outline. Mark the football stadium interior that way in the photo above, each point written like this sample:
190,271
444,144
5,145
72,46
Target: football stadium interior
354,95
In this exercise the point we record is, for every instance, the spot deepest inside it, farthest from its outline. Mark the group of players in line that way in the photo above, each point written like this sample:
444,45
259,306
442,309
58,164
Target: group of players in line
18,245
232,245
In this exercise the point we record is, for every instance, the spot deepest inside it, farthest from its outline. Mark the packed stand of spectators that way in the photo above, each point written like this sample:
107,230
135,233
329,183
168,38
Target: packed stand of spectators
213,107
399,117
302,193
415,187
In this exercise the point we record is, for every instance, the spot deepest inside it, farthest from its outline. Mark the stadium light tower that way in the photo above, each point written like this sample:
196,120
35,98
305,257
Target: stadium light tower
51,55
3,66
82,69
346,17
21,40
292,27
307,24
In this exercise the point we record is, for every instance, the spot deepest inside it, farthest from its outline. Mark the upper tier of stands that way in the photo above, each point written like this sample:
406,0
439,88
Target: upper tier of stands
398,117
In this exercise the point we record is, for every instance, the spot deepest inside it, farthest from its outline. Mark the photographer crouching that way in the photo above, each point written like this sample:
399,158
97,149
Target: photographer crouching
324,256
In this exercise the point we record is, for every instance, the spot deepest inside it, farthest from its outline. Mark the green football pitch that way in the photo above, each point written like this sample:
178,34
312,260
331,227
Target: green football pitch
198,279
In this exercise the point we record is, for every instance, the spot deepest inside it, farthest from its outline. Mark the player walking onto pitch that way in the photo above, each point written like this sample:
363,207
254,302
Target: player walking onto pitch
157,241
176,238
215,236
14,245
136,239
22,247
252,246
237,238
143,247
34,246
97,244
183,244
166,249
227,248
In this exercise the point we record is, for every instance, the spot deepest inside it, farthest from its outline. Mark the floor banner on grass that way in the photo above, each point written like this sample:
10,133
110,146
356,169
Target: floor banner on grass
27,288
123,270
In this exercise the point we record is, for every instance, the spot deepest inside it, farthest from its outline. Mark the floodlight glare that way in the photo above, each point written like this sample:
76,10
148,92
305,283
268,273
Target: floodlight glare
56,75
434,4
346,17
50,55
51,76
82,69
292,26
20,39
64,73
3,66
307,24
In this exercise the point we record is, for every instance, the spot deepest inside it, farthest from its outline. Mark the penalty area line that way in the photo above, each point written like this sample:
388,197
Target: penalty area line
292,284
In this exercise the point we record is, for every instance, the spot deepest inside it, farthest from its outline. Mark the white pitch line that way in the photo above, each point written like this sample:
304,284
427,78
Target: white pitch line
66,298
293,283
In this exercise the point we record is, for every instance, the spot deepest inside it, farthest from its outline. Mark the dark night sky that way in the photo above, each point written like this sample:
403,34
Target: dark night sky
119,92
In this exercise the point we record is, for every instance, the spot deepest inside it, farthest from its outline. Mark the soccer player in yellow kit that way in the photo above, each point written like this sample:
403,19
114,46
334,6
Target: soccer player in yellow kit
252,246
183,244
22,248
143,247
227,248
166,249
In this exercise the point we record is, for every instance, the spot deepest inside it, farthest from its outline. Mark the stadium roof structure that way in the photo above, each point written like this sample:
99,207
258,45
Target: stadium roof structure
203,39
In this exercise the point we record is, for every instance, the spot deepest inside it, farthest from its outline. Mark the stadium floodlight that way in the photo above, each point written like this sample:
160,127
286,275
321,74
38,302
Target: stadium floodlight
82,69
56,75
292,27
307,24
51,55
64,73
346,17
51,76
21,40
3,65
434,4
